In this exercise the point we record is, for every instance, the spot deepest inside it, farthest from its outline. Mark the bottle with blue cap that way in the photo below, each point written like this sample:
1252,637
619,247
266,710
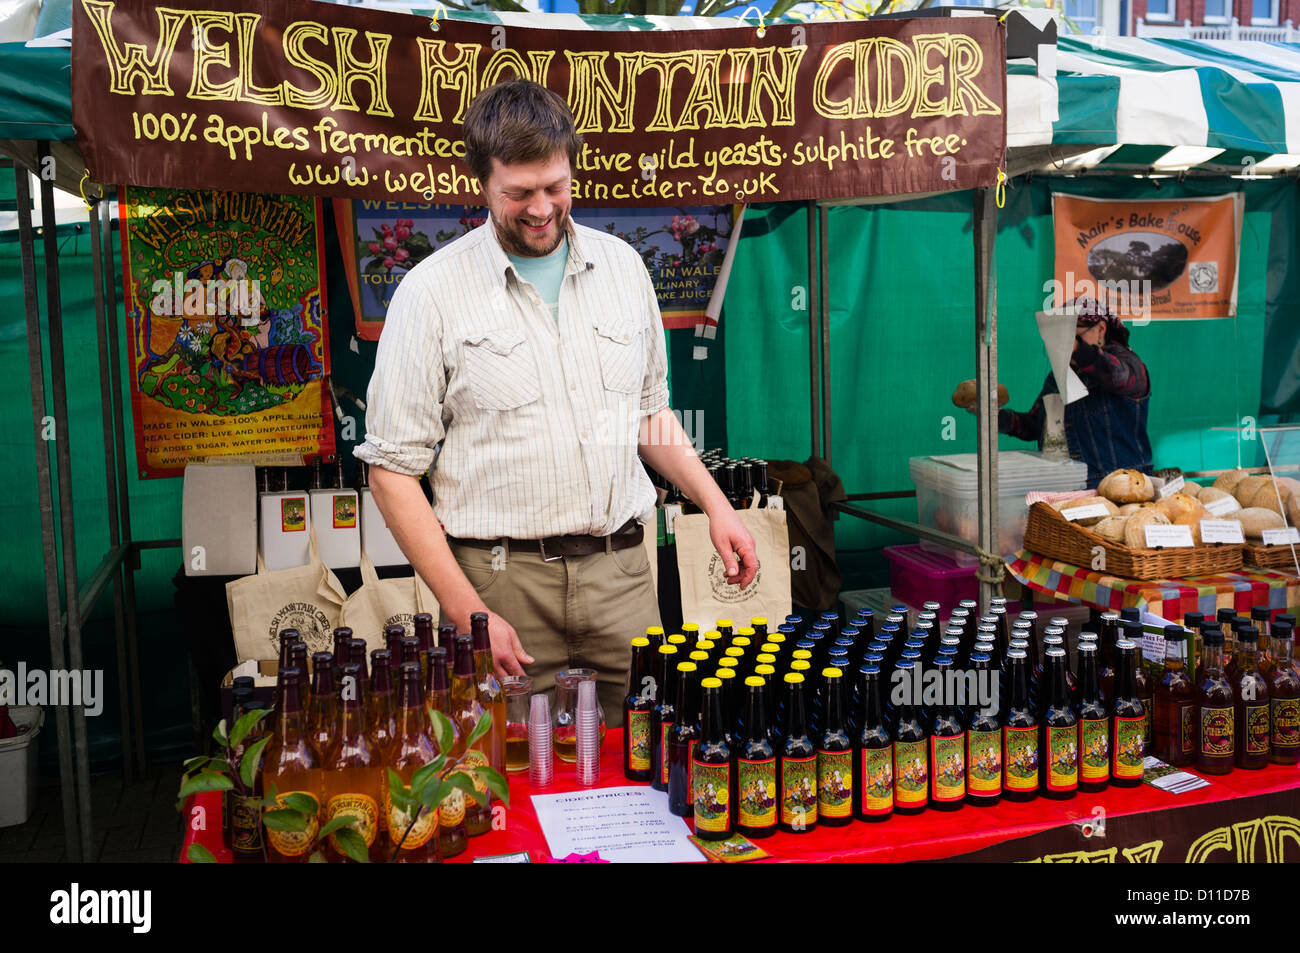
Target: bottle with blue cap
911,749
947,744
874,766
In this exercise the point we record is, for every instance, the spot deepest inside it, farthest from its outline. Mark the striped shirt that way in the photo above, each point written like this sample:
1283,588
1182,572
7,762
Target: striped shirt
537,419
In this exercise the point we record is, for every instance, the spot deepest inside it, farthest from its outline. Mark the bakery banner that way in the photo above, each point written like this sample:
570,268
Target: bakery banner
682,249
226,317
328,99
1148,259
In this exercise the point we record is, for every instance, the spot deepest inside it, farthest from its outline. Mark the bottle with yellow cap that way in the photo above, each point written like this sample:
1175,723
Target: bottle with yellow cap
691,632
682,738
655,634
712,769
661,719
834,756
759,625
755,766
638,708
704,645
797,763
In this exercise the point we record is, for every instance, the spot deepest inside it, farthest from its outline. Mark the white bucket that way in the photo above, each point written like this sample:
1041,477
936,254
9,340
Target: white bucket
18,766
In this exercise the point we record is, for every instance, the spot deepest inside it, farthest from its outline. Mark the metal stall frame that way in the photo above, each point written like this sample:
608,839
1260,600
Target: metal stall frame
122,558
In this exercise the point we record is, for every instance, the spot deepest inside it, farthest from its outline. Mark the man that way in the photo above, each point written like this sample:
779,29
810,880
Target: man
1108,428
532,352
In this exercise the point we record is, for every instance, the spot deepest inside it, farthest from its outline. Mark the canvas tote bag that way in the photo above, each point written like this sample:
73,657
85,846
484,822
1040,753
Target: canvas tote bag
380,603
706,594
307,598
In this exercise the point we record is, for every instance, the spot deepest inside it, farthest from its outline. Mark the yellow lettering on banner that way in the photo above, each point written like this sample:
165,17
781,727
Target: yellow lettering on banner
1278,830
666,65
1106,856
246,25
437,71
891,100
780,89
209,53
965,60
833,108
706,94
1218,839
130,60
295,36
1148,853
535,68
592,92
742,66
1244,833
927,76
373,73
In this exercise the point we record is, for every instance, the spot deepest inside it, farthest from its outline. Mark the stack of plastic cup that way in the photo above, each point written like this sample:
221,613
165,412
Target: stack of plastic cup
541,753
588,735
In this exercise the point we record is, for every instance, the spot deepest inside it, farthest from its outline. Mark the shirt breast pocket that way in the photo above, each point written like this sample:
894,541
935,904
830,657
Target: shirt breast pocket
501,369
622,356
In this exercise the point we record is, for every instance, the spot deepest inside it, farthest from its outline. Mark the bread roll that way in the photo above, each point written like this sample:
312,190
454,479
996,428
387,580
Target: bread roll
1293,510
1192,489
1255,520
1127,486
1128,509
1228,481
1111,508
1135,532
1211,494
1112,527
967,394
1290,482
1265,497
1181,509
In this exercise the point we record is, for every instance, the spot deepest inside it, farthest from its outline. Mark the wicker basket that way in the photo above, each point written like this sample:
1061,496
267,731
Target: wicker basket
1270,557
1051,534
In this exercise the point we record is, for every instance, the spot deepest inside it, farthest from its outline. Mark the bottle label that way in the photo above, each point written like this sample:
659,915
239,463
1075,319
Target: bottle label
245,824
1062,758
1128,747
365,813
710,794
1020,758
877,780
799,791
421,833
834,783
948,767
664,728
1257,729
1094,750
1187,727
474,758
638,741
984,762
1216,731
1285,717
452,809
757,780
293,843
911,773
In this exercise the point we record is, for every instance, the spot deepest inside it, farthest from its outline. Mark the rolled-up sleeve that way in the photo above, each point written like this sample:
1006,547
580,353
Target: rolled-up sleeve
404,400
654,387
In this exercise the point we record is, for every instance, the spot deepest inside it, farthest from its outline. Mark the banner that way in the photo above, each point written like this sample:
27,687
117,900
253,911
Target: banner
1172,258
226,317
682,249
328,99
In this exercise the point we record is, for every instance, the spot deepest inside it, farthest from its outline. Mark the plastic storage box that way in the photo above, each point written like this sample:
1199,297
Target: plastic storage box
947,495
18,766
917,577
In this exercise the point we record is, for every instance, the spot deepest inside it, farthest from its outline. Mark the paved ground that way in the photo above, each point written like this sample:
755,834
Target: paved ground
135,823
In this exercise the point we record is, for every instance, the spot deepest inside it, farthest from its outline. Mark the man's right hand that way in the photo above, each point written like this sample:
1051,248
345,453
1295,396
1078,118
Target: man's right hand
508,655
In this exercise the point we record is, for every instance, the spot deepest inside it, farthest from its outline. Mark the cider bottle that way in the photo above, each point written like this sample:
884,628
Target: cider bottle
834,756
1174,716
466,709
663,715
1109,658
1283,700
911,751
354,779
491,696
382,723
1128,739
423,625
1250,703
874,777
683,735
712,768
1143,684
983,741
1019,733
323,718
1059,754
291,765
342,639
797,763
246,831
756,766
412,749
1216,734
452,836
638,713
947,746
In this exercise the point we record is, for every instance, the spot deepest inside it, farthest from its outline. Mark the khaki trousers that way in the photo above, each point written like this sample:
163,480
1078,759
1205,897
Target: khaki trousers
572,612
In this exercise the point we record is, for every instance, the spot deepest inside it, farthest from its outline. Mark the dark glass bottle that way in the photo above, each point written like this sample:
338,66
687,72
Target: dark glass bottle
298,656
1143,683
834,756
412,749
683,736
638,712
947,747
1173,722
756,765
246,831
911,749
1109,654
1059,748
1019,733
1128,720
447,641
983,739
1250,703
287,638
712,768
423,627
1216,734
797,763
393,636
1094,723
1283,700
874,767
662,716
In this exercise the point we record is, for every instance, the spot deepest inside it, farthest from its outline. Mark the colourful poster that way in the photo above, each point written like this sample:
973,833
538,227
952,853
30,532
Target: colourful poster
682,249
229,340
1171,259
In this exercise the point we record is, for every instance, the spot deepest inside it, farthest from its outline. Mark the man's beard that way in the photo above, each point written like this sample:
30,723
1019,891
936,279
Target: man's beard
515,239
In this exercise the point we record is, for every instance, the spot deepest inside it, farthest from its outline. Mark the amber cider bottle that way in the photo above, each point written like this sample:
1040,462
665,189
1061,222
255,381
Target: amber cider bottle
411,750
292,765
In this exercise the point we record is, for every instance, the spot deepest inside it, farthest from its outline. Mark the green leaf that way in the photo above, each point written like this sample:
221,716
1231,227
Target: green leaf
422,775
398,792
466,784
434,793
303,803
482,728
317,858
353,844
219,733
193,764
205,781
198,854
285,820
498,785
443,731
252,760
246,724
337,822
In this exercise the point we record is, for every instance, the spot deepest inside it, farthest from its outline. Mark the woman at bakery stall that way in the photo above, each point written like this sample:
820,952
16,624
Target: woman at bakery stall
1107,429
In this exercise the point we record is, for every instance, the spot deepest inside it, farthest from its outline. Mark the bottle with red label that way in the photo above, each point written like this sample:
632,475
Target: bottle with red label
638,712
873,781
682,738
911,747
1128,721
1283,700
661,719
1094,723
756,793
712,768
834,756
983,740
947,745
797,763
1216,734
1250,703
1019,733
1059,748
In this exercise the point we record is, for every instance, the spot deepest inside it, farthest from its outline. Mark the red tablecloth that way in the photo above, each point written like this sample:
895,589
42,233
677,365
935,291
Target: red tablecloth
930,835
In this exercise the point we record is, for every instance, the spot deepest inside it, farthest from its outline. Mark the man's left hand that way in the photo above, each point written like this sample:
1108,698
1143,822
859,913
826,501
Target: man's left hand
735,546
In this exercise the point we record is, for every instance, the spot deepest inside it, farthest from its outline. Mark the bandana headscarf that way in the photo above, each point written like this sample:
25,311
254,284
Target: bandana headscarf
1090,312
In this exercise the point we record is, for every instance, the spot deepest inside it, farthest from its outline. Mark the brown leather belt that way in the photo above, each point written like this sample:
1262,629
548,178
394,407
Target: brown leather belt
554,547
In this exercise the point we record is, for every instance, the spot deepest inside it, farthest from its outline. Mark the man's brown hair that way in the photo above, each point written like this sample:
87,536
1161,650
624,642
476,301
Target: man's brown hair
519,121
